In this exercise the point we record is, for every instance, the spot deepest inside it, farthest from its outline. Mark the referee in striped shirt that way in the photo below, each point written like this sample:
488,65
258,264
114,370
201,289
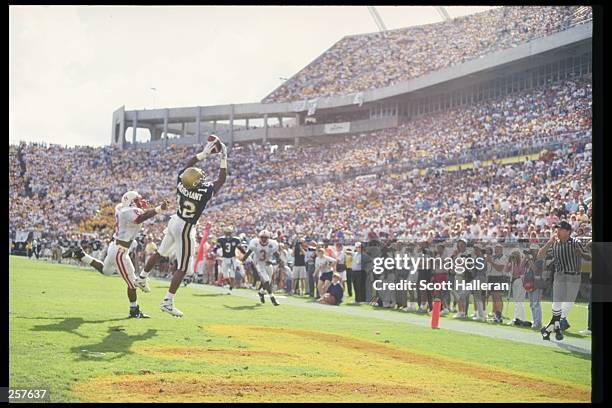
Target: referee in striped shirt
567,254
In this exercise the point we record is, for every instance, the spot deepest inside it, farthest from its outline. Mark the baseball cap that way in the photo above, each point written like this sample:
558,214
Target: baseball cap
357,244
564,225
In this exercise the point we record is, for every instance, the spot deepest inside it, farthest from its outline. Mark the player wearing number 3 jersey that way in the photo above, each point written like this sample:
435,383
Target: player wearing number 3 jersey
265,254
193,194
228,244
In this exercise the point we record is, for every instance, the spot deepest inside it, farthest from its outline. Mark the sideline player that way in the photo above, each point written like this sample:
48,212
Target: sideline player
129,214
193,194
228,244
265,254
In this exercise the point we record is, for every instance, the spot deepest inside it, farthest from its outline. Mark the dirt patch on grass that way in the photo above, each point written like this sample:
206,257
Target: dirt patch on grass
207,352
442,363
293,365
147,388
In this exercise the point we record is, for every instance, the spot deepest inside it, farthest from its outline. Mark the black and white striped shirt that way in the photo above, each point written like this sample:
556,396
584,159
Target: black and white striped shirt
564,256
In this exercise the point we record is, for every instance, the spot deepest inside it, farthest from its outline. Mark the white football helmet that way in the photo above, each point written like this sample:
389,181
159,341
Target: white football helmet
133,199
264,235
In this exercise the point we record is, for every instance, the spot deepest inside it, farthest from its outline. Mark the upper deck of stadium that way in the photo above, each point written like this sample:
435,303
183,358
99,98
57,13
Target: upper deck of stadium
379,80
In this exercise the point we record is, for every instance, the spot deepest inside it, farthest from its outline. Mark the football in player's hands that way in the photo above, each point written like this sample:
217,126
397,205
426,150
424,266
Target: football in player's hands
216,144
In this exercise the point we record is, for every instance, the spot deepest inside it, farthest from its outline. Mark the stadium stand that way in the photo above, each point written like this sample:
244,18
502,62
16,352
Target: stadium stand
370,61
73,189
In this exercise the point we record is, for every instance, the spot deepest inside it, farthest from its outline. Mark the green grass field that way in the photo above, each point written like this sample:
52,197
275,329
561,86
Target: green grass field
69,333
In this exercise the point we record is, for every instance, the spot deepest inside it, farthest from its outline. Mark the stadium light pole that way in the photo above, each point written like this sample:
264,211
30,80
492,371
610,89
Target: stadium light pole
443,13
377,19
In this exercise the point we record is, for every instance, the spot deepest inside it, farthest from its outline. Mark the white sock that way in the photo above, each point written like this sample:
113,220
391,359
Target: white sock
169,296
88,259
144,274
133,304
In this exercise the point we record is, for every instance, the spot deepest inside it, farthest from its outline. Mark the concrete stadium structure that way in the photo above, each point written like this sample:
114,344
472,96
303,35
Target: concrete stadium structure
546,59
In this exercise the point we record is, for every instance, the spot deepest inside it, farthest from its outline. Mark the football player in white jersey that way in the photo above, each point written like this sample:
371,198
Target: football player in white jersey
129,215
265,254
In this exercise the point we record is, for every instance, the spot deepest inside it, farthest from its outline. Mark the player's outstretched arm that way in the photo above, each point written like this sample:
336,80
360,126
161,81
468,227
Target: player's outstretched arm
223,169
151,212
202,155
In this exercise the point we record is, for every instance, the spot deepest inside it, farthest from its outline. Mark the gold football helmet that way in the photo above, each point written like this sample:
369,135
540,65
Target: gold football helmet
192,177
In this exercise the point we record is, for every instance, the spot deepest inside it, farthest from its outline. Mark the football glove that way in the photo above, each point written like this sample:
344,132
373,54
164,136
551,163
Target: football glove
206,151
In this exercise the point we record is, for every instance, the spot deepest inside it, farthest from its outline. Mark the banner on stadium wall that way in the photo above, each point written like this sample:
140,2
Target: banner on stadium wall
312,106
333,128
358,98
299,106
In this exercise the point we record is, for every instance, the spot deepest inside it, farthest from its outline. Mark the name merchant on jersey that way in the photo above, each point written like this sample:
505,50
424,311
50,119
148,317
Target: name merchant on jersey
189,194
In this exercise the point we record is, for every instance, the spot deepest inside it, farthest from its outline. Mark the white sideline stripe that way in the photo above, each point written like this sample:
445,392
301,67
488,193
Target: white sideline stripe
526,336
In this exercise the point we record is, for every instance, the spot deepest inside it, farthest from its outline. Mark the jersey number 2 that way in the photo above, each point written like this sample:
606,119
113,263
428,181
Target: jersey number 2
188,208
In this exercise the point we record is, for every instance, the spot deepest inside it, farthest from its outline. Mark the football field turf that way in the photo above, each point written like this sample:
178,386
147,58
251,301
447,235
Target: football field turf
69,332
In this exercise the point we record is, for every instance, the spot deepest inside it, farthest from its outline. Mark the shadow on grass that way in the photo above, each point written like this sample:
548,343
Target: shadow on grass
68,325
117,342
246,307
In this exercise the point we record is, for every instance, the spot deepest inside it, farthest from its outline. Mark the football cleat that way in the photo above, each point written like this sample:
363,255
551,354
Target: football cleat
262,298
274,302
558,334
135,313
143,284
564,324
585,332
515,322
76,253
545,333
168,307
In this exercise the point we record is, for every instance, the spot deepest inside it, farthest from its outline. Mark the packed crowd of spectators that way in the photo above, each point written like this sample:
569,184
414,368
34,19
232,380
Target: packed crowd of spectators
371,61
73,190
16,181
495,201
